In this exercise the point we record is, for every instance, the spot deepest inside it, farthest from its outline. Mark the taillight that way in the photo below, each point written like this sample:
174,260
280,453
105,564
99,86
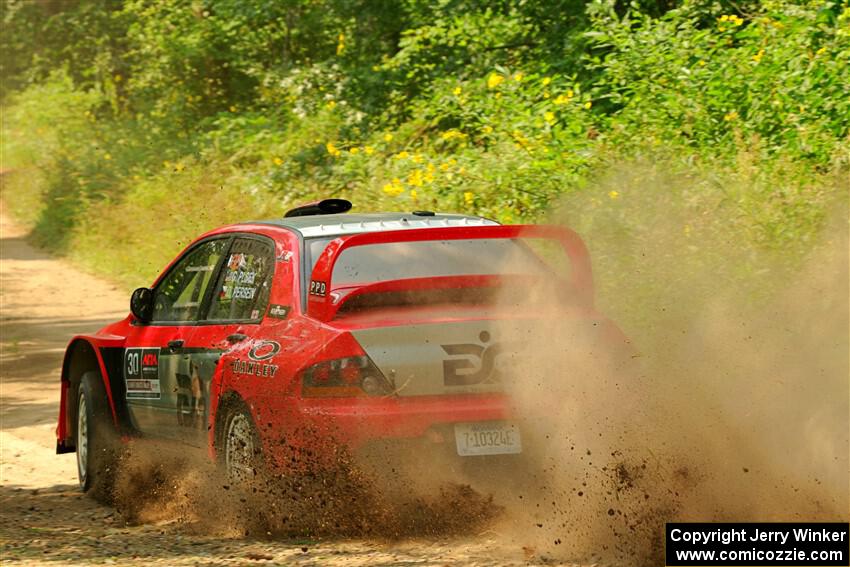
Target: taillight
351,376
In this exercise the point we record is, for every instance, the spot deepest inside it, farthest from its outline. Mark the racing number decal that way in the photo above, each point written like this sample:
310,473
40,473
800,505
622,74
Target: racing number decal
141,373
318,288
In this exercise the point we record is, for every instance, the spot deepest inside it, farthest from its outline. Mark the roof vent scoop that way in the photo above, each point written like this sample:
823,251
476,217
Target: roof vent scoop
323,207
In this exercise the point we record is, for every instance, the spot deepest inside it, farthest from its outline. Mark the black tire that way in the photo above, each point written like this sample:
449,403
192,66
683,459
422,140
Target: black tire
96,439
239,450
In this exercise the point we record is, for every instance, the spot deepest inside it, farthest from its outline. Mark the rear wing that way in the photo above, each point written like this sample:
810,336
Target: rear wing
321,302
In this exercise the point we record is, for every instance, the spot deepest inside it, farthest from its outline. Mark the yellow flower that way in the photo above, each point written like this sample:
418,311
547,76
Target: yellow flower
394,188
415,178
757,57
821,51
702,63
518,77
546,94
452,134
232,108
452,161
107,156
331,104
354,151
549,117
457,91
494,80
588,104
730,116
487,129
388,137
368,150
117,78
723,18
546,81
278,161
332,149
136,178
402,155
413,194
563,99
444,167
468,197
614,195
340,46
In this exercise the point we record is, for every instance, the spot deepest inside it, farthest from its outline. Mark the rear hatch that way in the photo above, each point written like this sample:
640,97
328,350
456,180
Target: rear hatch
453,311
446,356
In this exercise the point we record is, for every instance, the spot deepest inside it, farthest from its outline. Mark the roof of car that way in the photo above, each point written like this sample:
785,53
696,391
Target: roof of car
352,223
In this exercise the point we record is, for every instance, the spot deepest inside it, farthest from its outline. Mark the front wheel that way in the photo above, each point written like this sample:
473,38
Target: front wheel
96,439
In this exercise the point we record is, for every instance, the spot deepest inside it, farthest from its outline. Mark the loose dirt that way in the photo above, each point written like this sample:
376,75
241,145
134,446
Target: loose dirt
46,520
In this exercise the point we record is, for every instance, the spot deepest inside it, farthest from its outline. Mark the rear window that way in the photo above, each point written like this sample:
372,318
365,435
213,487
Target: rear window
435,258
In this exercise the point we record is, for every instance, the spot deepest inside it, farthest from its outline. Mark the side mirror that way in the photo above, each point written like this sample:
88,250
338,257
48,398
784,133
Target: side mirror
141,304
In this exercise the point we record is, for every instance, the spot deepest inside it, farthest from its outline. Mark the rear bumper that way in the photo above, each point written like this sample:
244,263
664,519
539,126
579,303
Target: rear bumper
326,431
357,422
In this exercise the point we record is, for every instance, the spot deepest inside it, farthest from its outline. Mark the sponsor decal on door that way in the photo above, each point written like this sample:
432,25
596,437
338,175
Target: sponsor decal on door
141,373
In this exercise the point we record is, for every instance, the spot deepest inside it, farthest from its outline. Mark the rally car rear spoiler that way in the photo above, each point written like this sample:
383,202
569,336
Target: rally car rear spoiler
322,303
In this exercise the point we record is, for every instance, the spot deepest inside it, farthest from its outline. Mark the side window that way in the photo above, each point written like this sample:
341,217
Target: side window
179,295
243,288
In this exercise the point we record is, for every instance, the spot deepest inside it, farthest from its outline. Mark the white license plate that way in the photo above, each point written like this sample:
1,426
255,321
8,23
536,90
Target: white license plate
487,438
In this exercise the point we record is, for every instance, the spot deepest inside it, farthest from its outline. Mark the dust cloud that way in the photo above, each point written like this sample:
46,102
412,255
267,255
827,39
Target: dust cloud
727,402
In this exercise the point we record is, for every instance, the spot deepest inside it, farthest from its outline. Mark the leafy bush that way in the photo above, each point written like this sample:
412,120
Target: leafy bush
183,115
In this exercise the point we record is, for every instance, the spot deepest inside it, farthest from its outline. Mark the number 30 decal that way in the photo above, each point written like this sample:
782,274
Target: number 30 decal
133,368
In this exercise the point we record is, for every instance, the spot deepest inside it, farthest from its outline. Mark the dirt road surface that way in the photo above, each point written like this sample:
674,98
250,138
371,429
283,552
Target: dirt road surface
45,520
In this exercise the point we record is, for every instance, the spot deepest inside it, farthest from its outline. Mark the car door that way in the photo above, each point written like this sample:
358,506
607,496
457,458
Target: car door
156,351
237,302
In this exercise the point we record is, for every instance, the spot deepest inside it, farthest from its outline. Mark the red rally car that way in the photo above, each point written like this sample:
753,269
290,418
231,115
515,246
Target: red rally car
355,328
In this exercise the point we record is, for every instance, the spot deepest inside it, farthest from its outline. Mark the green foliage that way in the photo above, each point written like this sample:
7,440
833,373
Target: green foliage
184,114
777,80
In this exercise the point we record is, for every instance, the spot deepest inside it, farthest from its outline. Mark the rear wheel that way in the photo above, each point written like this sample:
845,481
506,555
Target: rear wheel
96,439
240,445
